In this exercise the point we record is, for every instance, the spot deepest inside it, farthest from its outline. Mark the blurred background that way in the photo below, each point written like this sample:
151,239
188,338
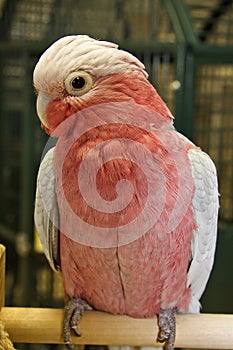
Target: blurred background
187,48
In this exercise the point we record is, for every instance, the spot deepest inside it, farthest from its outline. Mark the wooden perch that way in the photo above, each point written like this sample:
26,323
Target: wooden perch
5,342
2,274
39,325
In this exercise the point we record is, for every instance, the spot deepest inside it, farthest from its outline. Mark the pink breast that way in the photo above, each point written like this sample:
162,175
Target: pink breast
137,279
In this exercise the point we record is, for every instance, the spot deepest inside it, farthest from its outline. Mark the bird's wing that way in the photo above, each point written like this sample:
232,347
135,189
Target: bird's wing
205,205
46,213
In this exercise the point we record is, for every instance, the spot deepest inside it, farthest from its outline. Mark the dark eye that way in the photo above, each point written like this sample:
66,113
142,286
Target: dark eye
78,83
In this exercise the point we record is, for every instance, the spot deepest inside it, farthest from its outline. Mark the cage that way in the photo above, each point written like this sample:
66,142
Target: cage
187,48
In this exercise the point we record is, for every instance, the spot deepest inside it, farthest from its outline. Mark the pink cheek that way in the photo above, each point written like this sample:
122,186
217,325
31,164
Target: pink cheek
57,111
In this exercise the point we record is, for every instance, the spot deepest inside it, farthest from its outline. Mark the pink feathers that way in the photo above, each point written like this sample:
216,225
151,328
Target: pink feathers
147,241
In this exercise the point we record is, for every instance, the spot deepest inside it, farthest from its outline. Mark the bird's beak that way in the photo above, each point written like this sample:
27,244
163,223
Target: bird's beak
41,105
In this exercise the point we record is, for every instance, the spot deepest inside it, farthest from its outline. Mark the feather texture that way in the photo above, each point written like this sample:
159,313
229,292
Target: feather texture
205,205
46,214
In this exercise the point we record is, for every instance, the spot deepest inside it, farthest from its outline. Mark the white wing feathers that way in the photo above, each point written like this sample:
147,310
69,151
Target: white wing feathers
205,205
46,214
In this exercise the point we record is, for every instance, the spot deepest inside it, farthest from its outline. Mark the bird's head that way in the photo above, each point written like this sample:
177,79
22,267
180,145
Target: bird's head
77,71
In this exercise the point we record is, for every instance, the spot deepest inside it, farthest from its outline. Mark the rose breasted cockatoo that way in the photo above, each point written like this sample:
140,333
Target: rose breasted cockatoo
126,207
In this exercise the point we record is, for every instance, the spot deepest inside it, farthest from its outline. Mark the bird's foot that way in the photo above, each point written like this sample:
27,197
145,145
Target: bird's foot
167,328
74,310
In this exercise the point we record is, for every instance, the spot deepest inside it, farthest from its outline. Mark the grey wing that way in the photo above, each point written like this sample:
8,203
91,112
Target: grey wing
46,215
205,206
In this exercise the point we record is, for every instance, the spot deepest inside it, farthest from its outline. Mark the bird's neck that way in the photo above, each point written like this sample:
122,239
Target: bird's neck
122,87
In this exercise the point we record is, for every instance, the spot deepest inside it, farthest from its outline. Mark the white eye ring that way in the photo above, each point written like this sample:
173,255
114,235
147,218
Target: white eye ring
78,83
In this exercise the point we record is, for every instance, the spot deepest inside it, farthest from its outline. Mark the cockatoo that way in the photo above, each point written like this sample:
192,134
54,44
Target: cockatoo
126,207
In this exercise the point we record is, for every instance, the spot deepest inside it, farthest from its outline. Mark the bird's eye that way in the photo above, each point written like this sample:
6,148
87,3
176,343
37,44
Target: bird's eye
78,83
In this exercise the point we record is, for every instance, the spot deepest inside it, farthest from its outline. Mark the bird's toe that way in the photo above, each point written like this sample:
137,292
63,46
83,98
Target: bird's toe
74,310
167,328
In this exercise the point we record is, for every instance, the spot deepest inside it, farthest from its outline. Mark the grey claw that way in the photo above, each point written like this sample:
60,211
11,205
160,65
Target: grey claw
74,310
167,328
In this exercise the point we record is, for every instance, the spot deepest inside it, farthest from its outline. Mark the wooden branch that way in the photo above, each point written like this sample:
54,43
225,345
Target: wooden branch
2,274
39,325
